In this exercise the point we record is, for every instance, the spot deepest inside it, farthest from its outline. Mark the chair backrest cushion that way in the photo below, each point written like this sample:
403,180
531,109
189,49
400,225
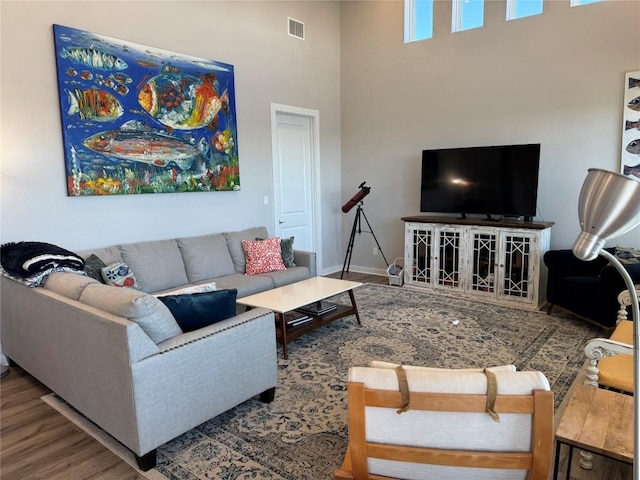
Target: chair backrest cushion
448,430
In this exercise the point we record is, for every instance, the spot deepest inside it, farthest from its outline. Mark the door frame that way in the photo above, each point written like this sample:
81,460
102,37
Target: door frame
314,169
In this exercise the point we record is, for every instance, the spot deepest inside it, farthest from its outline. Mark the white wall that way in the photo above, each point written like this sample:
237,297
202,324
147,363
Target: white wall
269,67
555,79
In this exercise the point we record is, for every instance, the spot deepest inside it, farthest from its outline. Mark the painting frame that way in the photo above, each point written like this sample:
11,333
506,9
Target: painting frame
138,119
630,152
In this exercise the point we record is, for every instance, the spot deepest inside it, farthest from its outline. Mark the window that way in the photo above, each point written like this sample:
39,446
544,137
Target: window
577,3
523,8
418,20
467,14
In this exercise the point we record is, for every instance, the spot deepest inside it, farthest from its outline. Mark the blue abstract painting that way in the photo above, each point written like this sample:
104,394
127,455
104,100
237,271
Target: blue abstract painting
139,119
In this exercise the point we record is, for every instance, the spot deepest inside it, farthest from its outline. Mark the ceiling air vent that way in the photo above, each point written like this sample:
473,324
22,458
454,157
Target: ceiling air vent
296,28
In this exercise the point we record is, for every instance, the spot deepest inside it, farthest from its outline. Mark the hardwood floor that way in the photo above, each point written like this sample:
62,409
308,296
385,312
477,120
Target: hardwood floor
36,442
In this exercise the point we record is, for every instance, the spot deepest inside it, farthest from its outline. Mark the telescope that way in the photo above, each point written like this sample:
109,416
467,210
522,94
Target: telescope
357,200
360,194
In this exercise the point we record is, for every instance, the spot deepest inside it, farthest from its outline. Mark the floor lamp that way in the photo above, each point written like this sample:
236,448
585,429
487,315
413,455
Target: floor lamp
609,206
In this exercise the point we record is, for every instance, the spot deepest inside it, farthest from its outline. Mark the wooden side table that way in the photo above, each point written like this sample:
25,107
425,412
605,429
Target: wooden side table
599,421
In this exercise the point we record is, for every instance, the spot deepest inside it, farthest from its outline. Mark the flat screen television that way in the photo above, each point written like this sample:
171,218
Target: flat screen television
497,180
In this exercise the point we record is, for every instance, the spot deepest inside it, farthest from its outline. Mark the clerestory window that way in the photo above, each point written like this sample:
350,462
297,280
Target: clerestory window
523,8
467,14
418,20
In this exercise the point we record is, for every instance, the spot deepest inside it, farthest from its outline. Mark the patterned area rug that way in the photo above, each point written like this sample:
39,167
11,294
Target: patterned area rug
302,434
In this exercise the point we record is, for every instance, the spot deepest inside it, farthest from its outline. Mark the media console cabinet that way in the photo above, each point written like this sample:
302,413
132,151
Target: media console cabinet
496,261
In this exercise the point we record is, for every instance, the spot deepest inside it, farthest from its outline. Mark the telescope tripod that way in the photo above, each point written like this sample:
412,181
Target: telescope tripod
357,228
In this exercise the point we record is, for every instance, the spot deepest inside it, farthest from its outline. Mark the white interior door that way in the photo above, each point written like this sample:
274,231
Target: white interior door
295,164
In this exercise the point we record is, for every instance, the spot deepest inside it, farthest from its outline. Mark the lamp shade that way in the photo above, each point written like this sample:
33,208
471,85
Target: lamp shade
609,206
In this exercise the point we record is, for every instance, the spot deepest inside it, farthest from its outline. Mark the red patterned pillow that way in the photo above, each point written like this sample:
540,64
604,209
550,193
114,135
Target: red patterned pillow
263,256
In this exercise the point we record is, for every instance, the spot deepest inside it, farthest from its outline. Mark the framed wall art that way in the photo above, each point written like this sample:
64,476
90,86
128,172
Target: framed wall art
138,119
630,164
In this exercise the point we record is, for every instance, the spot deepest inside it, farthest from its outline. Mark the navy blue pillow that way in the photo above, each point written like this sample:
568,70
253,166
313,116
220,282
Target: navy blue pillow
196,310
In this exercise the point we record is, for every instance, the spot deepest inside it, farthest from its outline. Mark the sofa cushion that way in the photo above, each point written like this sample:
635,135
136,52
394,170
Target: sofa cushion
151,314
234,243
93,266
499,368
287,276
119,275
205,257
107,255
263,256
157,265
246,284
197,310
70,285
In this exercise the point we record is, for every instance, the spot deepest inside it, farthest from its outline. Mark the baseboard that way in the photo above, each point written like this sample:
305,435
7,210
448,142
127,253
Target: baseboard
356,269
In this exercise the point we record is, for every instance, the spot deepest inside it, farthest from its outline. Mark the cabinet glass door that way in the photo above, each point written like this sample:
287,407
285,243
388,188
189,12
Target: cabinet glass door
422,245
448,258
484,248
517,255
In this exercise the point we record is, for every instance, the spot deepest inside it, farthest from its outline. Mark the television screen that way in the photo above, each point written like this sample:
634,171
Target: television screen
496,180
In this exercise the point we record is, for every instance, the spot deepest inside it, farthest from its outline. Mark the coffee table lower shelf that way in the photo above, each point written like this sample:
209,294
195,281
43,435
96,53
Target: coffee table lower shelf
287,333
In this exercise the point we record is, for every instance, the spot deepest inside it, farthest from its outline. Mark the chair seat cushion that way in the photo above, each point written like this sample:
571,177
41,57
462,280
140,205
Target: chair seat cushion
616,372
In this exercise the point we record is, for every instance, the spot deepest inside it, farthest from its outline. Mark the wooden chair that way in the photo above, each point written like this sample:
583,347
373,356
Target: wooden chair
444,431
611,360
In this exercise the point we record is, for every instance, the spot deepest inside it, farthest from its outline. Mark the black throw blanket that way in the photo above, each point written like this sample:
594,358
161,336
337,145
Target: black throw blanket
25,259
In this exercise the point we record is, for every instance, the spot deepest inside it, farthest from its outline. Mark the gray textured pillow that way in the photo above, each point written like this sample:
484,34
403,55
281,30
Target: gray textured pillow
93,267
146,310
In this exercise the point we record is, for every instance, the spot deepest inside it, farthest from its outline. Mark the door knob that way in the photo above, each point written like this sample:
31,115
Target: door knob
280,222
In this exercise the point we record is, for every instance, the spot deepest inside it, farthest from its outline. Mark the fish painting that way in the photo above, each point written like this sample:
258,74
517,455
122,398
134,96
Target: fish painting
138,119
94,104
634,146
628,125
634,82
634,104
629,170
93,57
181,101
145,146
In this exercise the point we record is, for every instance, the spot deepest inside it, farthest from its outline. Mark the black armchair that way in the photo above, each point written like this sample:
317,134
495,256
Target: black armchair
586,289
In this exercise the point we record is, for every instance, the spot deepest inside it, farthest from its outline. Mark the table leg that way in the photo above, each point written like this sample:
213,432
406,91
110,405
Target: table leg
283,328
354,305
556,464
569,461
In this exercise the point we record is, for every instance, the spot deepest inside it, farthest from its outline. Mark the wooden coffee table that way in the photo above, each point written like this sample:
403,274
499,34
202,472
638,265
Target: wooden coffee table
291,297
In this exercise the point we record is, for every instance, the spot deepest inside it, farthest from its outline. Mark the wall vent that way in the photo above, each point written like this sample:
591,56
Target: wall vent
296,28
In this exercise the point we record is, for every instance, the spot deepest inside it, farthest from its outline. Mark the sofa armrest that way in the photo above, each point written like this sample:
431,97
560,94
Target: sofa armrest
200,374
563,263
214,329
306,259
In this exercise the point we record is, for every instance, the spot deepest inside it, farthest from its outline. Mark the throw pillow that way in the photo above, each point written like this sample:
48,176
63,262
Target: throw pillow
205,287
286,248
263,256
93,266
119,274
627,255
198,310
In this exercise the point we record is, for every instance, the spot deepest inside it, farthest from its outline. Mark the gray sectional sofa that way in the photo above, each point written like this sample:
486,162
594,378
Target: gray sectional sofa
115,353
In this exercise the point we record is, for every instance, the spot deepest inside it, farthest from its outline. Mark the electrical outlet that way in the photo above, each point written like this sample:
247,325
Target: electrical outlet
375,251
